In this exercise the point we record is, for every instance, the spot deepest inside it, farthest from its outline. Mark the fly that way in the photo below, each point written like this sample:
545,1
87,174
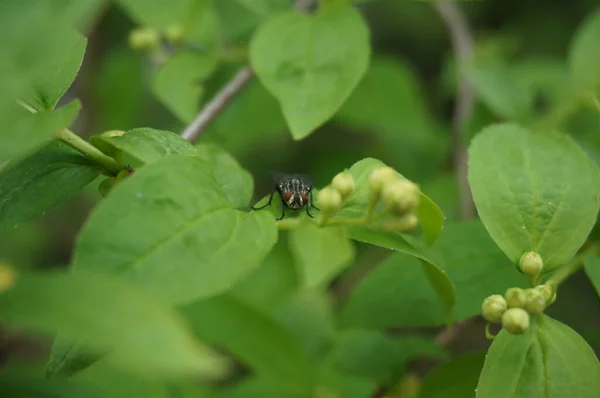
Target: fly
295,191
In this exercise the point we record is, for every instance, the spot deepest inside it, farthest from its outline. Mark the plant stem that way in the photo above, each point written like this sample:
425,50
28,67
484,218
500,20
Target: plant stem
88,150
574,265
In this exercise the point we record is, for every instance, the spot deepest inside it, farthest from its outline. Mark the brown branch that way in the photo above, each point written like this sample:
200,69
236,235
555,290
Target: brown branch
219,102
237,83
462,43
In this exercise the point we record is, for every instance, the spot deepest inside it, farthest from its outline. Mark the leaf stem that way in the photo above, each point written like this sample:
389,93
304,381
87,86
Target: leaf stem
108,164
573,266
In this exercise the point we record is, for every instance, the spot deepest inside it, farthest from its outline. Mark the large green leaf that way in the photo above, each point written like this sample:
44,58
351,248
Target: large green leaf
171,229
311,63
527,199
145,145
38,183
535,364
252,337
437,276
178,84
456,378
236,183
583,54
23,132
35,387
141,333
321,253
398,293
375,356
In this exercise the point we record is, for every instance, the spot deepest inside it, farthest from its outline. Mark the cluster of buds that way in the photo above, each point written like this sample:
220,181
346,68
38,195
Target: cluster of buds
149,39
333,196
399,196
515,308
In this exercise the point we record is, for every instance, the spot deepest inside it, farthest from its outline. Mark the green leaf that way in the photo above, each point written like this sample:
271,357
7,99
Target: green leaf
376,356
500,88
109,315
38,183
321,253
534,364
430,215
394,241
592,269
398,293
311,63
264,345
273,282
69,356
171,229
527,200
24,132
236,183
31,387
178,84
62,69
145,145
456,378
583,54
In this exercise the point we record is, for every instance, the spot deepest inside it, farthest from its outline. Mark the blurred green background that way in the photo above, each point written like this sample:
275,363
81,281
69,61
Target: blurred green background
401,112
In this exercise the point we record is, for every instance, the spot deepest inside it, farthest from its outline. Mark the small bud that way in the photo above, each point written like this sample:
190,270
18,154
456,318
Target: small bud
400,196
515,320
144,39
406,223
343,183
515,297
534,302
531,264
174,34
330,201
8,276
380,177
493,308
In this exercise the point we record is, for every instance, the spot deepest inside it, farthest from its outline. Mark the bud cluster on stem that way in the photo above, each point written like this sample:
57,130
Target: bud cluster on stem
399,196
333,196
514,309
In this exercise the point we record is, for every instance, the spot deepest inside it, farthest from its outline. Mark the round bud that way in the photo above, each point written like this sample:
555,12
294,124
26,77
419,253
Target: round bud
174,34
380,177
406,223
531,264
493,308
144,39
515,320
8,277
330,201
534,302
515,297
343,183
400,196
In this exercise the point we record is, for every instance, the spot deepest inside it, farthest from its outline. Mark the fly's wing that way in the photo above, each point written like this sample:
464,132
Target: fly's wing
278,177
306,179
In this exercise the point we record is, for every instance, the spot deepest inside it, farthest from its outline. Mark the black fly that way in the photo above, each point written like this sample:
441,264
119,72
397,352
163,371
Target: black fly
295,191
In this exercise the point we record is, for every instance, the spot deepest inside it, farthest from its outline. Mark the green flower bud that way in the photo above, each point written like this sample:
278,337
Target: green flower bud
548,291
380,177
174,34
515,320
330,201
400,196
406,223
493,308
515,297
8,277
534,302
144,39
343,183
531,264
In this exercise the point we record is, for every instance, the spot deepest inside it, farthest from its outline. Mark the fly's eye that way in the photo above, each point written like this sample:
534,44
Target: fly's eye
304,197
287,196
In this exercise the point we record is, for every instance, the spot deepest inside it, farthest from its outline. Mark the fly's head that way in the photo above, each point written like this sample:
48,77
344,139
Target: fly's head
294,189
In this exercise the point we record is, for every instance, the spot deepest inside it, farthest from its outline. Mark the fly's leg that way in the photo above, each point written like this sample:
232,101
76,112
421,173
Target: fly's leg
308,212
282,209
268,203
312,203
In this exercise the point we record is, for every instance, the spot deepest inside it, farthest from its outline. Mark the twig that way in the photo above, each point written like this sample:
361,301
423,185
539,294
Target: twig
208,114
462,43
220,101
